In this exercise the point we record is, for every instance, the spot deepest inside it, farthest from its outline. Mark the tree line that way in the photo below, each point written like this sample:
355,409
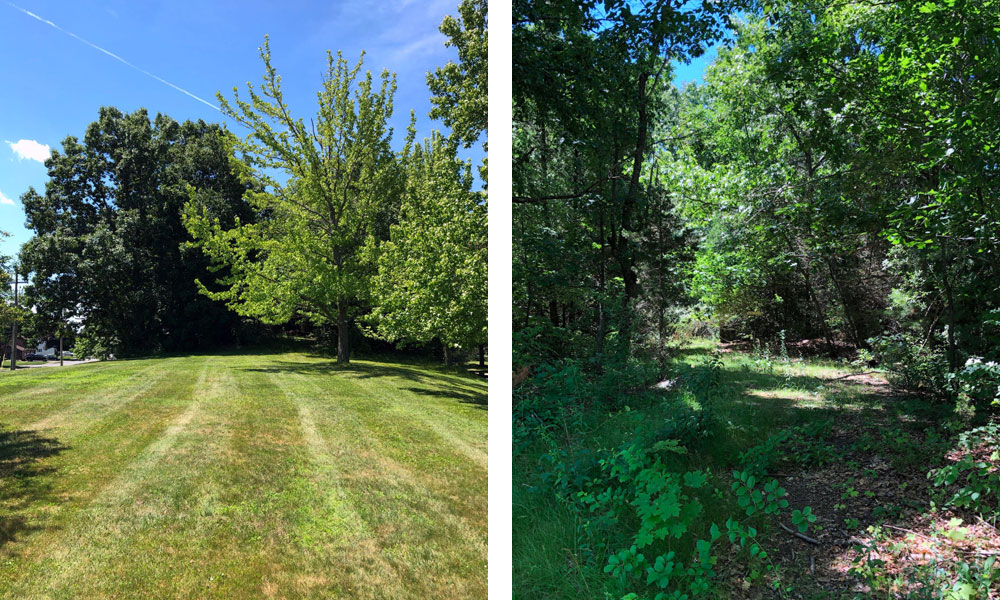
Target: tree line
829,187
833,179
155,235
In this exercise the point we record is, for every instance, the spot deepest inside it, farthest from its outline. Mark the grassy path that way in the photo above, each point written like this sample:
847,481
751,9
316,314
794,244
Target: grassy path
869,467
242,476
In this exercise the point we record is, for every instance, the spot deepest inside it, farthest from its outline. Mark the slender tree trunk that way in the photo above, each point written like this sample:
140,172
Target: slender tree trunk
447,360
811,295
855,332
600,303
482,356
950,308
343,334
623,249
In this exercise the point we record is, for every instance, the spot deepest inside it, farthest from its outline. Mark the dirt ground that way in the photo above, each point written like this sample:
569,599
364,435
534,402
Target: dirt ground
864,504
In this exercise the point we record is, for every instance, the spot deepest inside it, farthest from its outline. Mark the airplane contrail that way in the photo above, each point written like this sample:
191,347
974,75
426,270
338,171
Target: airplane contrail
113,55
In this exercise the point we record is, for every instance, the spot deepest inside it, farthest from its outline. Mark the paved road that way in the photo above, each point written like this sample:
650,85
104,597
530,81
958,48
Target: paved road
52,363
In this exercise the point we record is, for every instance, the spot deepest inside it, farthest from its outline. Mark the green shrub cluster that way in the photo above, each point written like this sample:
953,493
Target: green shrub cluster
802,445
973,482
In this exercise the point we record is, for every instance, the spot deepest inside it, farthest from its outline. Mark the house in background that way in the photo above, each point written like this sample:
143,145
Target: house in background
48,348
21,349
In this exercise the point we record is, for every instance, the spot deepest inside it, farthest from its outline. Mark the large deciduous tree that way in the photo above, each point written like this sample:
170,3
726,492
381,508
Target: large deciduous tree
431,279
340,189
461,89
108,244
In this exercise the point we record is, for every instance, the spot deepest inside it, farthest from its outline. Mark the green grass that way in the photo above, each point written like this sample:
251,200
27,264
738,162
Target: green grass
242,476
755,399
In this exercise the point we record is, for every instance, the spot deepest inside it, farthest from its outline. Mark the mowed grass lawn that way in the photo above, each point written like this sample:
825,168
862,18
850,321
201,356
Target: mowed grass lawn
243,476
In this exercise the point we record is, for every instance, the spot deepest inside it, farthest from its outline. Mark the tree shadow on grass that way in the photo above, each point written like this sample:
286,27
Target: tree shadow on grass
479,400
466,388
23,481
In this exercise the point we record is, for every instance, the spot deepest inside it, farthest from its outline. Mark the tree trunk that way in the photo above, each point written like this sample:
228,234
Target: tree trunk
447,361
599,350
482,356
950,309
805,271
623,247
848,314
343,335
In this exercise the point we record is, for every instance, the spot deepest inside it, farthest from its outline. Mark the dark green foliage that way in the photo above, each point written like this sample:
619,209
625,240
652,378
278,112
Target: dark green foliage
592,218
911,364
109,242
972,480
799,446
830,189
978,382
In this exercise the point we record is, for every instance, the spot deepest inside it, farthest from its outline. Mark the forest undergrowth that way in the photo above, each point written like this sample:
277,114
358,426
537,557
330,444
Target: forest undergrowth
750,474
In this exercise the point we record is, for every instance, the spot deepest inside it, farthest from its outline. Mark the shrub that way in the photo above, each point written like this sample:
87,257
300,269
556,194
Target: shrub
978,382
978,479
910,363
549,402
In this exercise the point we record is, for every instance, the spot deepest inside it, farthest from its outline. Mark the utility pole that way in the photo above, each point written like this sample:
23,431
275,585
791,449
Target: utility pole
13,327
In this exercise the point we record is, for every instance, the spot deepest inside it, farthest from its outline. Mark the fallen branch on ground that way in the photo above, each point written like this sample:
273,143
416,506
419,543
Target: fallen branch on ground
797,534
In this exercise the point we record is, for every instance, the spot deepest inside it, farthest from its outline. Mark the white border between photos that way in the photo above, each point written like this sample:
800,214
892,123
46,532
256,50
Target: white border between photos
500,257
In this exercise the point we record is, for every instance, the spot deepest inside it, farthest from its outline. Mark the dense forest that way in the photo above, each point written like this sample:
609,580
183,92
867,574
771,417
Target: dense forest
158,236
819,219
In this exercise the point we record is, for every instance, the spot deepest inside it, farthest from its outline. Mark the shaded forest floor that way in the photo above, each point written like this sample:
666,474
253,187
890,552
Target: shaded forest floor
245,475
860,460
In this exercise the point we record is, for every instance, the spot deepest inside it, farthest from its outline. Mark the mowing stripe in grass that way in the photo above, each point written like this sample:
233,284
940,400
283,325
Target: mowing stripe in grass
229,479
382,429
347,522
35,405
450,435
79,542
107,515
414,513
362,457
103,402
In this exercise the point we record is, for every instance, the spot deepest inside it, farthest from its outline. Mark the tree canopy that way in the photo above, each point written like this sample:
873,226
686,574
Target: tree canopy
832,178
342,189
460,89
431,280
107,245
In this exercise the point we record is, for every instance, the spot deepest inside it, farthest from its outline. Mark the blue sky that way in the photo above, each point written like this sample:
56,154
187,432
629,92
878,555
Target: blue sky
695,71
54,84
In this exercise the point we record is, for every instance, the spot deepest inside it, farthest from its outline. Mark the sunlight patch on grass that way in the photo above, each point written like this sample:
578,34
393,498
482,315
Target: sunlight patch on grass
801,396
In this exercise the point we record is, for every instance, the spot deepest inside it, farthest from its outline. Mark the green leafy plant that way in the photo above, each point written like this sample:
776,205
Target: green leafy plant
803,518
974,482
802,446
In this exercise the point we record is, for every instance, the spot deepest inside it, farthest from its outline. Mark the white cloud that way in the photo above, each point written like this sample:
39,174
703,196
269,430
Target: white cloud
5,199
30,149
